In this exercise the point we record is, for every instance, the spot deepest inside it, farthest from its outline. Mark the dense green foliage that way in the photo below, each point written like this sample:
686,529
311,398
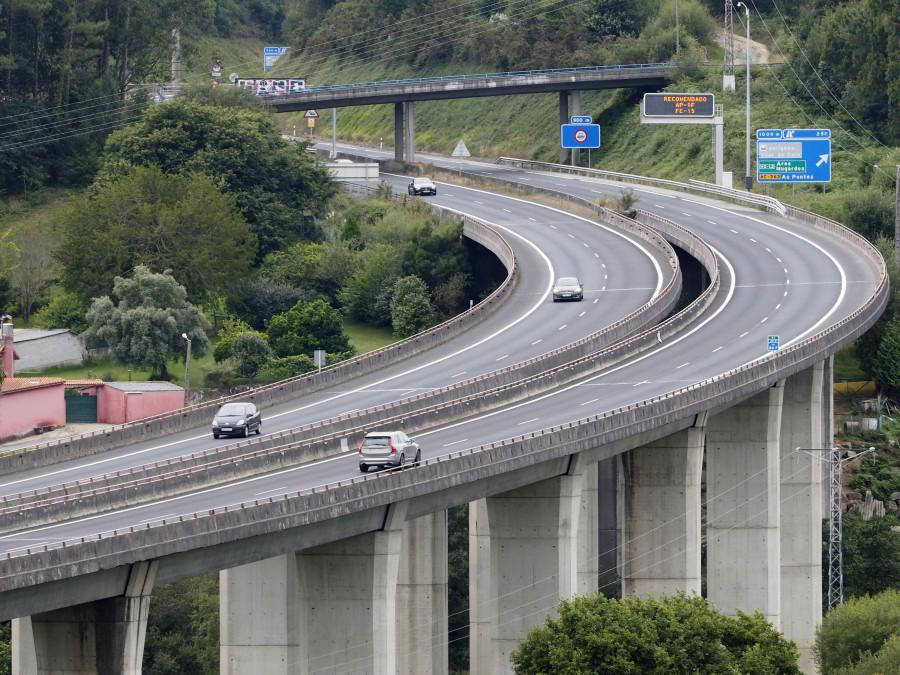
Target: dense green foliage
306,327
183,628
145,326
859,626
146,217
668,635
274,183
871,555
410,306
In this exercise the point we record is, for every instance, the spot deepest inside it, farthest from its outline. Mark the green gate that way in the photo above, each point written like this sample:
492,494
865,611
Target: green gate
81,409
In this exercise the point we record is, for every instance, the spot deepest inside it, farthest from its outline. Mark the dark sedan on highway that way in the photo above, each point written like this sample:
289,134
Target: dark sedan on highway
237,419
422,186
568,288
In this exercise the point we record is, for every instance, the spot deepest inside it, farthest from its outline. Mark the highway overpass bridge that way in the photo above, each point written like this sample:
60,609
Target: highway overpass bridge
404,93
328,570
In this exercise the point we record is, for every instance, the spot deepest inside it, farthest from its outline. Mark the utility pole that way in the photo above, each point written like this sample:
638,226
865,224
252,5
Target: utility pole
187,372
748,179
835,462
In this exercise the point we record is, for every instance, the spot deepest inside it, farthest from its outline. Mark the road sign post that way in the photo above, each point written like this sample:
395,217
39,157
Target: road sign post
793,155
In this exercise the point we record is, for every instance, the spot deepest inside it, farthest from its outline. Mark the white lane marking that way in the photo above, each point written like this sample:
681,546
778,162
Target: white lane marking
500,358
536,341
533,419
638,384
563,326
279,490
717,349
507,210
764,320
682,365
582,314
778,306
596,300
447,445
593,400
743,334
462,372
572,236
596,255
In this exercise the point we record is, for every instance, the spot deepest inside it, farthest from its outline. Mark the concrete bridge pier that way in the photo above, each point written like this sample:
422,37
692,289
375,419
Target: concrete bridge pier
105,637
743,536
807,422
398,132
524,555
564,118
374,604
661,539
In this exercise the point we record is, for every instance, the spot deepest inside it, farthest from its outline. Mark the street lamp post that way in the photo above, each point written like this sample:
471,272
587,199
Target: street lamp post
896,208
677,41
187,372
748,179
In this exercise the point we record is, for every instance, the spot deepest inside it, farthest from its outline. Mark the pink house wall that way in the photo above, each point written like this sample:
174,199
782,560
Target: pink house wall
26,409
117,407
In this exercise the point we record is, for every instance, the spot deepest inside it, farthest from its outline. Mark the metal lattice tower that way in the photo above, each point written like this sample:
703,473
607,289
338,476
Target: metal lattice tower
835,529
728,77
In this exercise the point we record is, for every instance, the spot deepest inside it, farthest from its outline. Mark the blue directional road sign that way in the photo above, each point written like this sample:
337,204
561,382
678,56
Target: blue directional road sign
773,343
581,135
793,155
581,119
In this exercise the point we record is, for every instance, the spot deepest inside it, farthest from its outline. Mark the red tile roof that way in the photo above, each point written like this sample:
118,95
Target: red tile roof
11,384
85,383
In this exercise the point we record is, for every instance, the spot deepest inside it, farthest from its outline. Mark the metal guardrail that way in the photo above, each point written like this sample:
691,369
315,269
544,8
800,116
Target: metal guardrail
731,194
480,76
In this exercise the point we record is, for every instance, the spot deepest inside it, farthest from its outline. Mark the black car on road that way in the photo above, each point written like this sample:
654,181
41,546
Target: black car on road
422,186
237,419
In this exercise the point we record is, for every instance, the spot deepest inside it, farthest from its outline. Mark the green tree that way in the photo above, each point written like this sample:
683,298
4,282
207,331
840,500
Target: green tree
885,660
64,311
886,367
411,310
367,294
180,223
241,149
306,327
144,329
871,553
252,351
858,627
666,635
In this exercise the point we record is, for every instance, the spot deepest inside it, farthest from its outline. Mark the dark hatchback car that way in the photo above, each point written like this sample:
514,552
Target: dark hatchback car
237,419
568,288
422,186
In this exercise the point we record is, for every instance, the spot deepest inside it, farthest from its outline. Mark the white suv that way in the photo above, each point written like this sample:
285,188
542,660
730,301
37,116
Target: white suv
387,448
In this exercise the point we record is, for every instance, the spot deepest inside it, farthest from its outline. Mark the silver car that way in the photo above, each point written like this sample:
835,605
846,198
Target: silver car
422,186
568,288
388,448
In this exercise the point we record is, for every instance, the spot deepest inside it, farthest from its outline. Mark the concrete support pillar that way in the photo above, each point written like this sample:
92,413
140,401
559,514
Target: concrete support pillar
261,624
563,119
609,528
328,609
801,508
588,534
523,557
398,132
576,110
410,131
422,620
662,514
743,453
105,637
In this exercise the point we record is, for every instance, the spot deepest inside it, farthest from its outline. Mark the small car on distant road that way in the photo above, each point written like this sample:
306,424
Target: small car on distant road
422,186
237,419
388,448
568,288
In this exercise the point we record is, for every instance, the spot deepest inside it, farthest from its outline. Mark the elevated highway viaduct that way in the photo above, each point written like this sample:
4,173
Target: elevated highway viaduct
325,570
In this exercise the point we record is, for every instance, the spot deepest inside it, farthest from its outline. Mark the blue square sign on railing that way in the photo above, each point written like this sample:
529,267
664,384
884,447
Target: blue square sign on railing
773,343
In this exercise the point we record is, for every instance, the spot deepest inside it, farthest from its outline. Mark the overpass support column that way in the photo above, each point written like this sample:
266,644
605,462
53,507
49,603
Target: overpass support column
334,608
105,637
576,110
523,557
398,132
563,119
410,131
662,514
743,453
422,584
803,426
